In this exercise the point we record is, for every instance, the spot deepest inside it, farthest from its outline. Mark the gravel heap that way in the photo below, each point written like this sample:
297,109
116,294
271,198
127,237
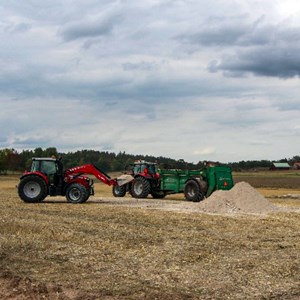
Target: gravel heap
242,198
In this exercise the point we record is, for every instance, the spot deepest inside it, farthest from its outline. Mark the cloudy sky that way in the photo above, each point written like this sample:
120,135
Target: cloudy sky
190,79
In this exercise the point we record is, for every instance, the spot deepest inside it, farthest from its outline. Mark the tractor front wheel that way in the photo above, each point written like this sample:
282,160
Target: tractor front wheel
119,191
140,188
192,191
32,189
77,193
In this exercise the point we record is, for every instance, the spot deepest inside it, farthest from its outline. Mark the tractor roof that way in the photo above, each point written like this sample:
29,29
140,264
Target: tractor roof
140,162
44,158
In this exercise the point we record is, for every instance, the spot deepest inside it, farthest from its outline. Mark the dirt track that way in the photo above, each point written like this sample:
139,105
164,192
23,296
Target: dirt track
242,198
171,205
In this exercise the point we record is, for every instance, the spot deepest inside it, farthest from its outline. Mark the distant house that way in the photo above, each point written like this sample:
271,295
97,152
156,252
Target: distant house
280,166
296,165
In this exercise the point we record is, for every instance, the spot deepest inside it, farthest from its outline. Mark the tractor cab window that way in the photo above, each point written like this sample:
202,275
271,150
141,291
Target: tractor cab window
143,167
151,169
44,166
137,169
146,168
48,167
35,166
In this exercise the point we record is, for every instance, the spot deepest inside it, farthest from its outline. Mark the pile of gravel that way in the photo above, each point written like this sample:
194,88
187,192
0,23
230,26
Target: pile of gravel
242,198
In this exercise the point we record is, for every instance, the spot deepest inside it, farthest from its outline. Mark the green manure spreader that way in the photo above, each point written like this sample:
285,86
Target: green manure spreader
147,179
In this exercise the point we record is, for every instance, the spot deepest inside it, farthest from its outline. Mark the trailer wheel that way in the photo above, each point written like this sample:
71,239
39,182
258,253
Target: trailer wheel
32,189
76,193
119,191
192,191
140,188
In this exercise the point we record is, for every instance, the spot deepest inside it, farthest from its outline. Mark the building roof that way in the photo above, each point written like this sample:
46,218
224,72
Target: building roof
281,165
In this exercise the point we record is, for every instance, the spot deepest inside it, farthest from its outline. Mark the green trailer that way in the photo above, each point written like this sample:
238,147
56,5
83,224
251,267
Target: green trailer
196,184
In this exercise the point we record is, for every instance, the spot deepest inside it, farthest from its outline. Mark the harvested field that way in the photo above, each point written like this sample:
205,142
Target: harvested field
271,179
125,248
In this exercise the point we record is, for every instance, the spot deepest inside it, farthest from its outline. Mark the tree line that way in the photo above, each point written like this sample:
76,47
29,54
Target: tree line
12,160
15,161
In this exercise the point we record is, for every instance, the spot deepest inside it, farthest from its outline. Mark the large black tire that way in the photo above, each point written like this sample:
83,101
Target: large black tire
158,195
192,191
87,198
77,193
119,191
32,189
140,187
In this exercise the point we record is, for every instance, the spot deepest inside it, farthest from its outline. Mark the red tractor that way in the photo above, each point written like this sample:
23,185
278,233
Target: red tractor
146,180
47,177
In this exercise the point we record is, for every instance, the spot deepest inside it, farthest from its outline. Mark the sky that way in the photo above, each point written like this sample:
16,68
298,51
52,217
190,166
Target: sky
187,79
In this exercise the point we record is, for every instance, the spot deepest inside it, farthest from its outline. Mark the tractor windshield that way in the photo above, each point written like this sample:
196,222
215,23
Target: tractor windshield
35,166
151,169
49,167
45,166
140,168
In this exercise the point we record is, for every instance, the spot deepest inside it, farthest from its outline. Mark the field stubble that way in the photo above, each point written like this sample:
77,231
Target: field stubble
56,250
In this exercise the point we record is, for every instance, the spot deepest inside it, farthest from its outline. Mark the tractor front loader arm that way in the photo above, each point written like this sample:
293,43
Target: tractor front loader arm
92,170
99,174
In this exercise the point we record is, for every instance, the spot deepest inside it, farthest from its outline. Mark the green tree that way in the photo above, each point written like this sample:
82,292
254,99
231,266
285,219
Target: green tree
51,151
10,160
38,152
103,165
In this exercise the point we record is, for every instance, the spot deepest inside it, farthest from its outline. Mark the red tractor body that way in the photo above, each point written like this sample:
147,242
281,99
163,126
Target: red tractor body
47,177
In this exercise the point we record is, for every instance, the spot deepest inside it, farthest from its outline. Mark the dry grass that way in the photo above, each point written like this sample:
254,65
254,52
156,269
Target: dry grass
56,250
271,179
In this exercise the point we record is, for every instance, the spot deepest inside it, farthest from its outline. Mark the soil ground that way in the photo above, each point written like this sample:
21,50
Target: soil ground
124,248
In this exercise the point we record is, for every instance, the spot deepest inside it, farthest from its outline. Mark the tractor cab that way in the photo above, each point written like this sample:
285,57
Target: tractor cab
44,165
52,168
144,167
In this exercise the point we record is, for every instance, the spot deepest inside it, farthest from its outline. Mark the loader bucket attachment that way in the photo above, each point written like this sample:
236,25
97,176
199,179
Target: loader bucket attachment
124,179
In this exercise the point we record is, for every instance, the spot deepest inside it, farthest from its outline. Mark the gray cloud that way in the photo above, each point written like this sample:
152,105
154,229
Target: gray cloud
255,47
18,28
143,65
173,78
86,29
283,62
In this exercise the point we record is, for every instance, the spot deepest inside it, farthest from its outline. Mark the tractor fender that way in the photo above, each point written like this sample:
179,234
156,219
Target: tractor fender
143,175
40,174
202,183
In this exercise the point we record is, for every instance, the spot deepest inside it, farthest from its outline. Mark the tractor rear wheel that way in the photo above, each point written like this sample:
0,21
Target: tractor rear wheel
140,187
192,191
32,189
76,193
119,191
